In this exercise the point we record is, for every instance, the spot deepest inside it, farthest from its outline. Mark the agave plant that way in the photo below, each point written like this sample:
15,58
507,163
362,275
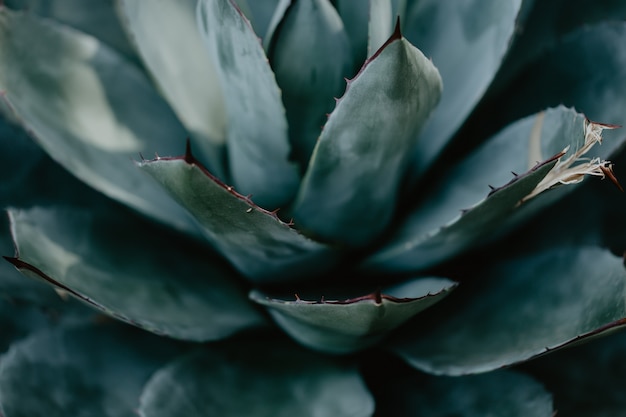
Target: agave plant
315,234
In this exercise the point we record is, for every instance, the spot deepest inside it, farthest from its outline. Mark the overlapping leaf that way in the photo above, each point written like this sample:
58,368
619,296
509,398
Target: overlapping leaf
352,183
543,301
109,262
346,325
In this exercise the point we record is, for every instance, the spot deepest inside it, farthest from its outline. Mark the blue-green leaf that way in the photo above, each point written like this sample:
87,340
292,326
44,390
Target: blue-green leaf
313,31
109,261
170,45
89,109
522,308
350,189
346,325
255,241
256,378
258,146
96,371
438,229
467,42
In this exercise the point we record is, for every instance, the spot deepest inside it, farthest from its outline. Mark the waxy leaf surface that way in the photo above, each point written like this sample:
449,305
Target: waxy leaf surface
255,241
71,93
543,301
275,379
170,45
346,325
467,43
437,229
349,191
257,143
143,276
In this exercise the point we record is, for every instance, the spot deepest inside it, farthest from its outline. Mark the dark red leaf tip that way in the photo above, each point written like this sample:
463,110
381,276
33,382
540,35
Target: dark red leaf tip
188,155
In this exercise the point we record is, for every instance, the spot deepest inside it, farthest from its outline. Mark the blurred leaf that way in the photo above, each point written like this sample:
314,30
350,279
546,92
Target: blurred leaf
349,191
258,146
97,18
87,372
260,13
313,31
380,27
522,308
255,241
467,42
115,263
438,229
346,325
170,44
71,93
499,393
273,380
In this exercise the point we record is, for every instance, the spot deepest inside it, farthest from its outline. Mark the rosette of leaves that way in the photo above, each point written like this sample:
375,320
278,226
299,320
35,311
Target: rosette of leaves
290,200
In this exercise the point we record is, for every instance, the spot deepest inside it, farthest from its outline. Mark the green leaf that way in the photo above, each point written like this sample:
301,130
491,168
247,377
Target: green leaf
350,188
380,25
455,215
260,13
467,44
258,146
107,259
346,325
272,380
171,47
313,31
96,17
543,302
499,393
586,381
72,93
88,372
255,241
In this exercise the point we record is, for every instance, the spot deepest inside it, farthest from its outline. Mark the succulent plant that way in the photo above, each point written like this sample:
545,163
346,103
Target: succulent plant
315,235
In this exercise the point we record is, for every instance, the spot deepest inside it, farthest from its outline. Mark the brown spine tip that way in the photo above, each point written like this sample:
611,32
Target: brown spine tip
608,172
188,155
397,32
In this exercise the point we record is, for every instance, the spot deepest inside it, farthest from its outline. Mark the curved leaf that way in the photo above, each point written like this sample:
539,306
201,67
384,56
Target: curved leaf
271,380
313,31
350,188
543,302
108,261
467,43
456,215
499,393
258,146
72,93
586,381
346,325
380,25
87,372
171,47
254,240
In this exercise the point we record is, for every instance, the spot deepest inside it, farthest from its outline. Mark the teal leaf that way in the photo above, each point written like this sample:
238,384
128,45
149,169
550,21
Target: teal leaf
71,93
380,25
350,188
97,18
499,393
544,301
467,42
438,229
313,31
171,47
260,13
346,325
107,260
85,371
255,241
585,380
272,380
257,143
